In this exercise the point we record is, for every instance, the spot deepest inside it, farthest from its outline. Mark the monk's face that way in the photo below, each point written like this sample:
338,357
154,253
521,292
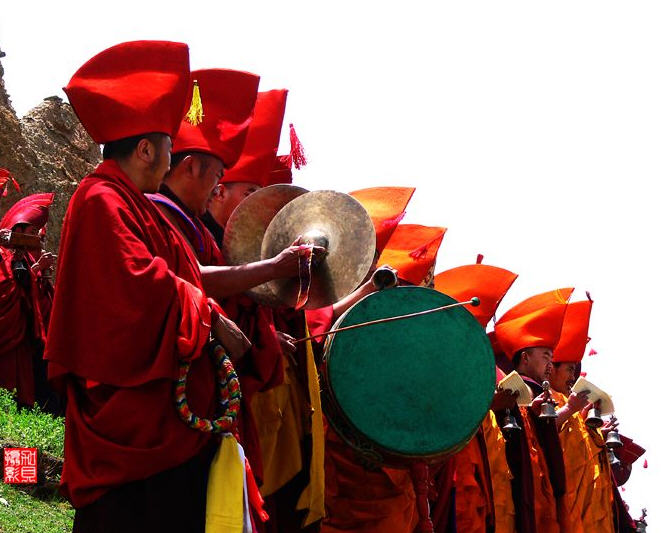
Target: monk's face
563,377
537,363
158,157
207,172
228,196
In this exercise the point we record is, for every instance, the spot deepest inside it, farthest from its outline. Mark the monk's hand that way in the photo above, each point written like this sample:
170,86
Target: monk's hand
231,337
577,401
504,399
46,261
586,409
287,345
609,425
536,404
285,264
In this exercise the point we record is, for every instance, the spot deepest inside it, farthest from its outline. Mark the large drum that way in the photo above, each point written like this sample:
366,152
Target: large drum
413,389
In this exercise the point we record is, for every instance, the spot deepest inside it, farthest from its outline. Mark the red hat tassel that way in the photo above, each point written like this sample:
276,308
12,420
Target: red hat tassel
390,223
297,152
420,252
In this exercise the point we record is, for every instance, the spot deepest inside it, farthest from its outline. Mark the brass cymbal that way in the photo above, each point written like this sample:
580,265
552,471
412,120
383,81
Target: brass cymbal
244,231
351,242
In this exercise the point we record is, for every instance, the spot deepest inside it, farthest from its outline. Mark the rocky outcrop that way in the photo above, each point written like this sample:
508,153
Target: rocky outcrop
47,150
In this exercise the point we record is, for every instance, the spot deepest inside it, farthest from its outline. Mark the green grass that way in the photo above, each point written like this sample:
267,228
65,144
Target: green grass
30,428
26,514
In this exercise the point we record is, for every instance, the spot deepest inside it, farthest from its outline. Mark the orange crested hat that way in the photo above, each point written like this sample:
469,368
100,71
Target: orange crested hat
412,250
536,321
488,283
258,155
131,89
220,114
281,172
31,210
574,337
386,207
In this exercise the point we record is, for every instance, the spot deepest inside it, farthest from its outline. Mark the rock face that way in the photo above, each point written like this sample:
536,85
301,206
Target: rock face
46,151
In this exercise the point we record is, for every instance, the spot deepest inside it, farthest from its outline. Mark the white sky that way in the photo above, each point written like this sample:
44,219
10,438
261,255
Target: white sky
531,130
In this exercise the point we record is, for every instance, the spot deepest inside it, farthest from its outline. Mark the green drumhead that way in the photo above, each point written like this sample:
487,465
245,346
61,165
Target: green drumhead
418,386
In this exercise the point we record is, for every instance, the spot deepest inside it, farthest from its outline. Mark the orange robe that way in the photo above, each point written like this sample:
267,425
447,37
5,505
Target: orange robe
501,477
474,504
598,511
363,500
546,515
291,436
579,466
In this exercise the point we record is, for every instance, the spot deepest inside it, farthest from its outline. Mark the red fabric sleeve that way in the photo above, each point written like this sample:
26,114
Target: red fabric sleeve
123,287
319,320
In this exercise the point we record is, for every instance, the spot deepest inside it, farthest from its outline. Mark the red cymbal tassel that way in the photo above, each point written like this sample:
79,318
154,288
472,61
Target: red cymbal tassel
420,476
296,151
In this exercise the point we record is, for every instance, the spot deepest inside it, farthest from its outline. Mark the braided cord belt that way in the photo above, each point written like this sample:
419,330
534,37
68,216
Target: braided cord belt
229,396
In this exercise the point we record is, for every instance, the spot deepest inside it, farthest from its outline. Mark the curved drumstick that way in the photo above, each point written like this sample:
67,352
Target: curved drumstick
475,301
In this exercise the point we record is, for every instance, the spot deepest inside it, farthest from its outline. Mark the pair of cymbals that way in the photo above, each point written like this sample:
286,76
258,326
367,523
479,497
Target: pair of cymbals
272,218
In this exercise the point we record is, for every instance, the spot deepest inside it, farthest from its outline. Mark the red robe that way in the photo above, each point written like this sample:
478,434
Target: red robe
128,306
44,294
21,330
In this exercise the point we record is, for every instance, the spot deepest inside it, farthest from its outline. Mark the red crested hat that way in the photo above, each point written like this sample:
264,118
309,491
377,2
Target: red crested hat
281,172
131,89
488,283
574,336
537,321
412,250
220,114
31,210
5,178
258,156
386,207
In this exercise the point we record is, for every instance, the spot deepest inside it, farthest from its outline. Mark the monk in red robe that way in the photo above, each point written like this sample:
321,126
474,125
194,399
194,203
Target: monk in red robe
130,306
184,197
24,306
282,427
